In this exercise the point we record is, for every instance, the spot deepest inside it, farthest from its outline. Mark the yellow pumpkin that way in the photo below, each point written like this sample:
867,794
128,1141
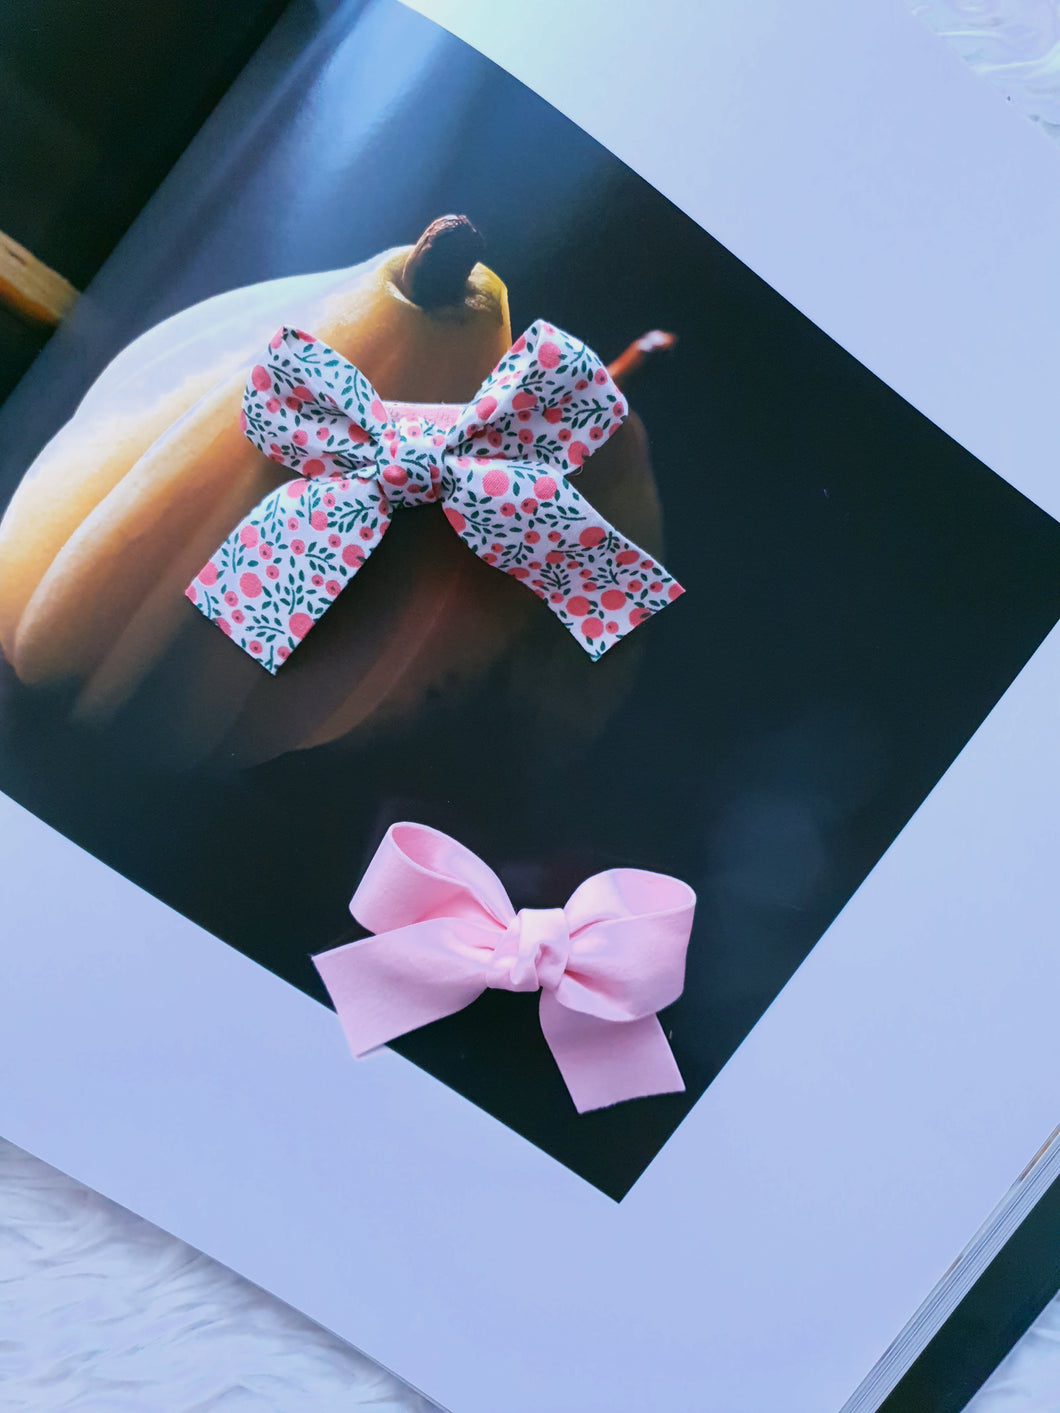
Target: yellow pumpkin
133,495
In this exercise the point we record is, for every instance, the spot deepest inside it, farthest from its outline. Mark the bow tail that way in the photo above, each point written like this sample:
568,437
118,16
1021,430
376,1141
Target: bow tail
285,562
397,981
604,1062
539,529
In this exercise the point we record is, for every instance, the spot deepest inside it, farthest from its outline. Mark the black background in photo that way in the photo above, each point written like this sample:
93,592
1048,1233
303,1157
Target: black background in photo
860,590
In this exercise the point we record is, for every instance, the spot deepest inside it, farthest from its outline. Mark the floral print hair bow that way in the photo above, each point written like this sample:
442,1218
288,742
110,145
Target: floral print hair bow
498,466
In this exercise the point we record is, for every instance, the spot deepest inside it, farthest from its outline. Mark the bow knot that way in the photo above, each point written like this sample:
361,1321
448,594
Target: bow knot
409,456
445,931
532,954
498,465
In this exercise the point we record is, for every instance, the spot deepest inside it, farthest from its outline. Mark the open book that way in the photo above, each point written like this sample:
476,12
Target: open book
839,734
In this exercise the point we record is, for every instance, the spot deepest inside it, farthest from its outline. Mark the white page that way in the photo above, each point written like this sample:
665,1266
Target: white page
875,1114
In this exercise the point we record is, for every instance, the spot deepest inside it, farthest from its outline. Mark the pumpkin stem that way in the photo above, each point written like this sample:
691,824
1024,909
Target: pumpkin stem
630,360
439,264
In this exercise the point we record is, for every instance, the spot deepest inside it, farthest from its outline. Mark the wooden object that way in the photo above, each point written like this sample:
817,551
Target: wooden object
30,288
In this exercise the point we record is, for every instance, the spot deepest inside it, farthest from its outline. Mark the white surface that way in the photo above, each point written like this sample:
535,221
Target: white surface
101,1312
1013,44
905,1075
1028,1379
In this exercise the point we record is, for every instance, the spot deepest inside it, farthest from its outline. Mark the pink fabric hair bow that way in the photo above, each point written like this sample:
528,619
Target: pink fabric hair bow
497,465
446,931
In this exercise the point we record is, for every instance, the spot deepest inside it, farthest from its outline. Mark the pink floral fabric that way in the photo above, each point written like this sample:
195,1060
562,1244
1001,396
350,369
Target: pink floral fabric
499,466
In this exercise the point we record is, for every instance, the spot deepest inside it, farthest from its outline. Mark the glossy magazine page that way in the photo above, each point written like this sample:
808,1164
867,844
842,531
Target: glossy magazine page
860,591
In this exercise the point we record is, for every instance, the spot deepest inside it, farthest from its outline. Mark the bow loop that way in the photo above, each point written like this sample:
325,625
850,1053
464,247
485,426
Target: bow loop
446,931
549,400
418,874
306,407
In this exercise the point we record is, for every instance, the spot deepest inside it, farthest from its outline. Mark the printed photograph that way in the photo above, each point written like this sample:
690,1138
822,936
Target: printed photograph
413,459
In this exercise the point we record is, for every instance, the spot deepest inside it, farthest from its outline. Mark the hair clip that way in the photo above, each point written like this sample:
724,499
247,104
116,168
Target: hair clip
445,931
498,466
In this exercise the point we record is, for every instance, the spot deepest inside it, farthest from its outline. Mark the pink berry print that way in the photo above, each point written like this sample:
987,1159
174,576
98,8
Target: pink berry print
495,483
535,421
224,625
191,593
